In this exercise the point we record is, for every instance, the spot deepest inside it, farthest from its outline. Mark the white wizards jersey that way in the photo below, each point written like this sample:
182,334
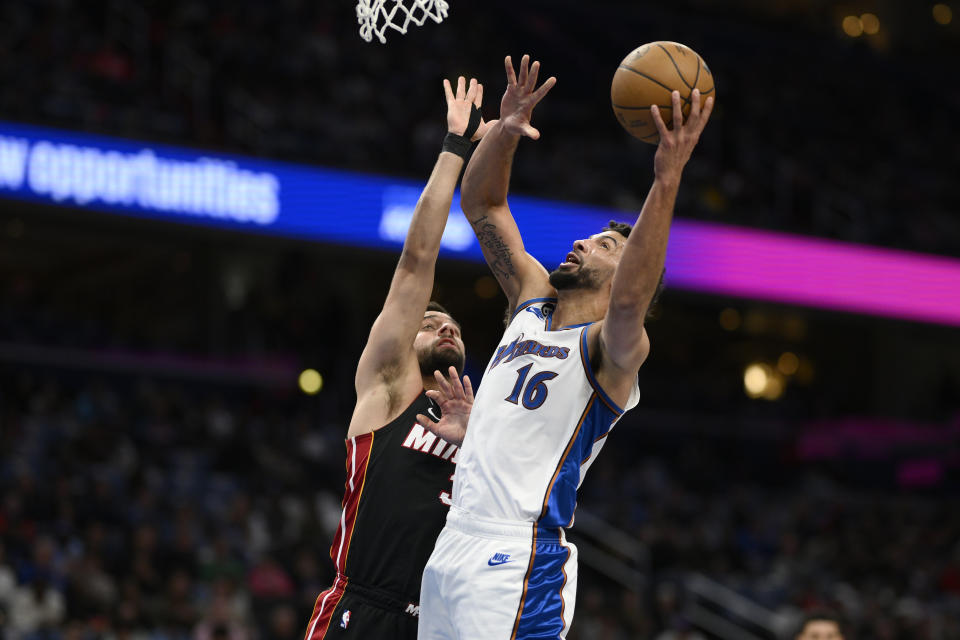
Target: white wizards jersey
538,422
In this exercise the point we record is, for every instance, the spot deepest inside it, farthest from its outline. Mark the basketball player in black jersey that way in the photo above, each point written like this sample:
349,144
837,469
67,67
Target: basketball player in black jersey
399,474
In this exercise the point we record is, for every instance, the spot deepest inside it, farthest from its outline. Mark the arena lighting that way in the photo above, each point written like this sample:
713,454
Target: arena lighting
852,26
870,23
755,379
776,385
730,319
760,380
486,287
310,381
788,363
246,194
942,14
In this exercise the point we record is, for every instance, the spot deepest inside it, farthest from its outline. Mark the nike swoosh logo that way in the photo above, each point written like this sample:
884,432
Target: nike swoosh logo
494,563
432,414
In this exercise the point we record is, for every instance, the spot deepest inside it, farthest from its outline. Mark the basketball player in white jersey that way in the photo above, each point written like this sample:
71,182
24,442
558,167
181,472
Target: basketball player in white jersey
564,373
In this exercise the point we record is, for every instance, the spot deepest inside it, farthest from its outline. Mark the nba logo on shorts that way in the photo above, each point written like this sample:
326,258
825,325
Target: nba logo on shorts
345,619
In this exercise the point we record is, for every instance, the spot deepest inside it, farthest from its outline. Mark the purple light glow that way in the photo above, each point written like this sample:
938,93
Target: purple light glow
920,473
818,273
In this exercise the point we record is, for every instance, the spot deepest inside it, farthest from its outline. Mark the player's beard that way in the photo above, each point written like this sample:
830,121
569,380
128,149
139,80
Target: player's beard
579,278
440,360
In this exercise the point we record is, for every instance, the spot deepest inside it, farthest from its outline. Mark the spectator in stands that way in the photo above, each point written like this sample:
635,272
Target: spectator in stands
36,611
820,626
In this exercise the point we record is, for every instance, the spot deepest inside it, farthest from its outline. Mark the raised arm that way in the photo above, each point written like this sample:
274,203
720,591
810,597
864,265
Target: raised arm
390,344
623,339
487,180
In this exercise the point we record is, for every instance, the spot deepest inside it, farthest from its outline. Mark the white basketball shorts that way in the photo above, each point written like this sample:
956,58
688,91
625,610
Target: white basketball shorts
497,580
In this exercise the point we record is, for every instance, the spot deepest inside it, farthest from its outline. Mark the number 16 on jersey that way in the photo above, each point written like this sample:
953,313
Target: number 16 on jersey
535,393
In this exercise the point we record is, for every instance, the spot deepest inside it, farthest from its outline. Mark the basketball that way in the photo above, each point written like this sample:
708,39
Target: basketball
647,76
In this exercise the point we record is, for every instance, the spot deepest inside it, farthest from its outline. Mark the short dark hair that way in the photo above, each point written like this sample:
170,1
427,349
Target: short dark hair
820,616
433,305
624,229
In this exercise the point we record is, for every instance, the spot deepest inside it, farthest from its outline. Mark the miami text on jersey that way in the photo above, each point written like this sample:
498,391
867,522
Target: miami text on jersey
422,440
519,347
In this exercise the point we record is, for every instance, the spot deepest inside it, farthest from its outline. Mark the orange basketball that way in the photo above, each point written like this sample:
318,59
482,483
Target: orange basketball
647,76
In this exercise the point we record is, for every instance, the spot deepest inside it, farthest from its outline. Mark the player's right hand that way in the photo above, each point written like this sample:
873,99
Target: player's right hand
455,400
520,98
459,105
677,144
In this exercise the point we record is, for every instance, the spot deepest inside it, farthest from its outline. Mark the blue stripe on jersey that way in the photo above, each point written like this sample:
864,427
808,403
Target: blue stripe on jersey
526,303
561,499
585,358
541,610
573,326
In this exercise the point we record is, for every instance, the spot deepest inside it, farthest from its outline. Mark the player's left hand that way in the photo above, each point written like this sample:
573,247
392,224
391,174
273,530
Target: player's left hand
459,105
677,144
521,96
455,400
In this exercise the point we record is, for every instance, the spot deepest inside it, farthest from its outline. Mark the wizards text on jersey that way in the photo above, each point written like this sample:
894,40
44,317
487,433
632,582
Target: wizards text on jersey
519,347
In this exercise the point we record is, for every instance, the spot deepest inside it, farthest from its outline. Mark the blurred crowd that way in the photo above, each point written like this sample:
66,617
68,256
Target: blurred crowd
814,133
157,511
887,562
136,510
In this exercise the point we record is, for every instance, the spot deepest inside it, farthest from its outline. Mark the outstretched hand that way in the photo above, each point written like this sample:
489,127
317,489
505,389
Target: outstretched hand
677,144
520,98
459,105
455,400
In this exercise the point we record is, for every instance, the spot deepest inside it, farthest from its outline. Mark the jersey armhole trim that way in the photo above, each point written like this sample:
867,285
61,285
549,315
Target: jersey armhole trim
573,326
526,303
391,423
585,359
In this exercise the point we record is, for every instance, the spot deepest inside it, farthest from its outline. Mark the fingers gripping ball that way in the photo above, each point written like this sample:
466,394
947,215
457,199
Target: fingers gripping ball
647,76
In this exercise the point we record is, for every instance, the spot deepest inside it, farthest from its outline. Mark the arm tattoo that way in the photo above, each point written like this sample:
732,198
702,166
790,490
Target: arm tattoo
499,254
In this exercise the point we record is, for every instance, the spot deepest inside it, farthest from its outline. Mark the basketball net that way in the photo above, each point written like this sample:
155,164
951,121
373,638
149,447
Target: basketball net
376,16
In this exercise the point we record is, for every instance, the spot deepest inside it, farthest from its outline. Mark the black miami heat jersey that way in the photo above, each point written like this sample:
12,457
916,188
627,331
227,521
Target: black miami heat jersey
395,503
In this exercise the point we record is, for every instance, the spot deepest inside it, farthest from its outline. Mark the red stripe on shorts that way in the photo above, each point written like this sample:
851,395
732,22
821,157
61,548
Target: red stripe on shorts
323,610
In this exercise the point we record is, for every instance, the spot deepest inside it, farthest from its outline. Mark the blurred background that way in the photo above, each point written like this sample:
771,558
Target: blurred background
168,472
